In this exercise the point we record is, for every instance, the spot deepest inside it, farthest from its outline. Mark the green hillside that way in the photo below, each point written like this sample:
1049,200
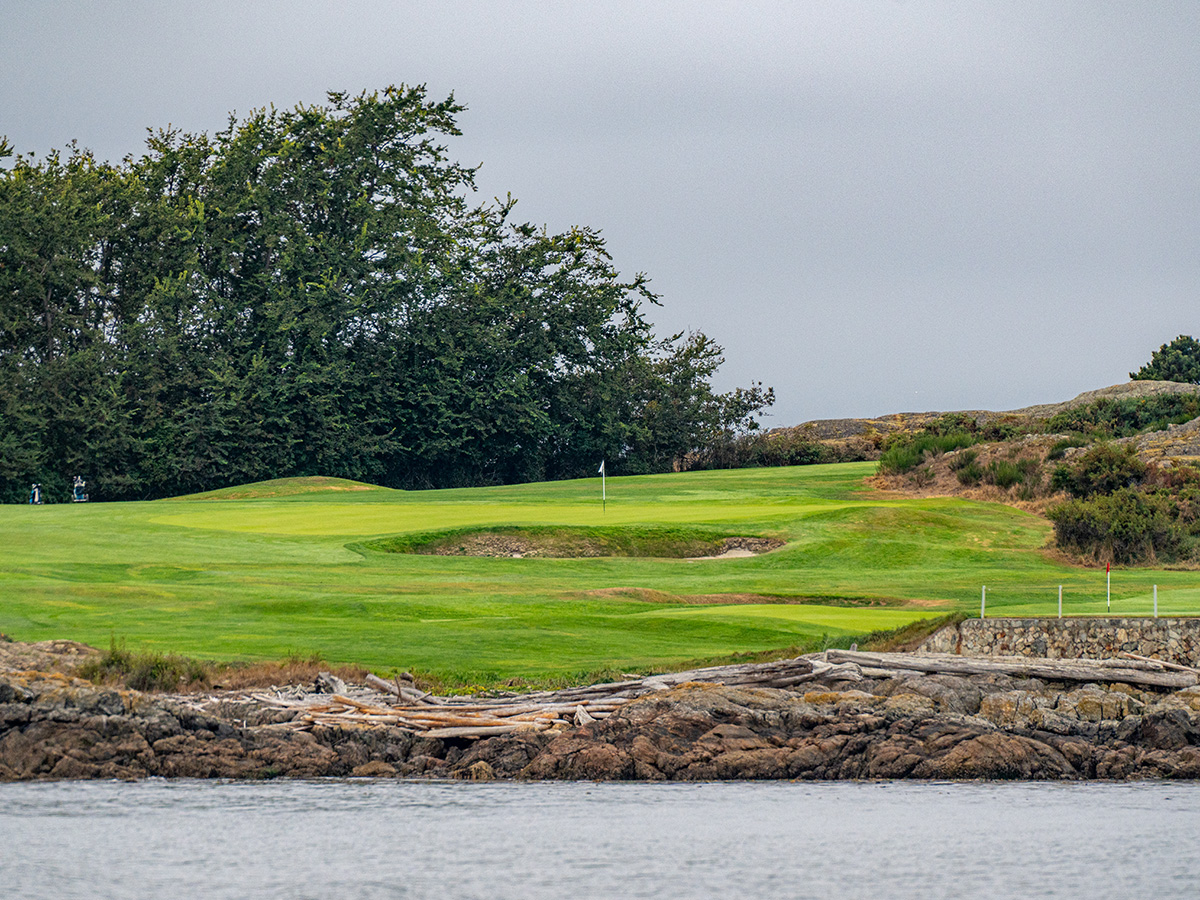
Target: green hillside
303,566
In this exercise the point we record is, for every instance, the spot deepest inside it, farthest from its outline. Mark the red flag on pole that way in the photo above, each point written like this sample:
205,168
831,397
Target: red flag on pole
1108,567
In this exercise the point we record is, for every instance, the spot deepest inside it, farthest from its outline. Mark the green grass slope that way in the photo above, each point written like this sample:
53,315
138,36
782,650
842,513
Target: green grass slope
284,567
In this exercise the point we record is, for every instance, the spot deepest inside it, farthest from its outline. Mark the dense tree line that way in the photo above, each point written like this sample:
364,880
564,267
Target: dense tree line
312,291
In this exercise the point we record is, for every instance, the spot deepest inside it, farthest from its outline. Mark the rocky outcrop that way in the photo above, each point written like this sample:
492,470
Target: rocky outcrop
921,727
880,426
918,726
53,727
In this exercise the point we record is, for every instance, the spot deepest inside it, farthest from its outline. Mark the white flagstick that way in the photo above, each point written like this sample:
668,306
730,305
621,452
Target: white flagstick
603,488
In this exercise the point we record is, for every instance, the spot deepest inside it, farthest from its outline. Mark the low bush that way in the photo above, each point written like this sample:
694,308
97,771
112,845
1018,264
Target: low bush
1101,469
899,458
1127,526
148,671
1059,448
1003,429
965,466
1005,473
963,459
1115,418
904,452
970,475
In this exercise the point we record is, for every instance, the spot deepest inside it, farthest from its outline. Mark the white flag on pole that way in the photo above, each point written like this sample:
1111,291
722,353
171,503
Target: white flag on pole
601,469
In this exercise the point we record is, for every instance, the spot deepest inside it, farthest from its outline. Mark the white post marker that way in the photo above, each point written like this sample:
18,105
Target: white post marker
1060,601
603,488
1108,578
983,602
1156,601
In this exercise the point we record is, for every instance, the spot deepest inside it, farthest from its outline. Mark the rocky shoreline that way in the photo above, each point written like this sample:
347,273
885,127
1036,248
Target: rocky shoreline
53,726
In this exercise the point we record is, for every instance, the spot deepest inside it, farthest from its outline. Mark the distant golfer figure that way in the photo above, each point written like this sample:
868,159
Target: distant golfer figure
35,494
77,490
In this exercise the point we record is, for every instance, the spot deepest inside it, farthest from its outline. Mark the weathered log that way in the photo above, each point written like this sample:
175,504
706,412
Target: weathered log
401,690
477,732
1019,666
1163,663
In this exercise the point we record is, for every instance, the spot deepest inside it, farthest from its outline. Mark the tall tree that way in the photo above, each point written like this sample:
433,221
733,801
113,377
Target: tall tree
309,291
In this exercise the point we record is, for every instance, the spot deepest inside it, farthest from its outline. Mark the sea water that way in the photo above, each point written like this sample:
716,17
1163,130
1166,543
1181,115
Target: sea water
403,839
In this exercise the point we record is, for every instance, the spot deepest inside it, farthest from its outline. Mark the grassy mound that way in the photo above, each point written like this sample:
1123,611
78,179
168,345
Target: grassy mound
285,487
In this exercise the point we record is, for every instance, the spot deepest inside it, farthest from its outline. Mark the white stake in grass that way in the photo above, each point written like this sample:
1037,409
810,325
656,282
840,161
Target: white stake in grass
1108,578
603,489
983,602
1060,601
1156,601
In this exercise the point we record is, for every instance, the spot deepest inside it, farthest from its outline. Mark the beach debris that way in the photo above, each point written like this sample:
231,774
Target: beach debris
399,703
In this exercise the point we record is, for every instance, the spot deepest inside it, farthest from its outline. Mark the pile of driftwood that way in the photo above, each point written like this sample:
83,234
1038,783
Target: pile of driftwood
399,703
1129,668
477,717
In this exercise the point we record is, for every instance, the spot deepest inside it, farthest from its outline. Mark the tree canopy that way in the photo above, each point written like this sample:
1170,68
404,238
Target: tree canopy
311,291
1176,361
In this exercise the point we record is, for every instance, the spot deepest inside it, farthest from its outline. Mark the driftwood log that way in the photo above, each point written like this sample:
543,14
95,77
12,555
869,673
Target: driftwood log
1143,671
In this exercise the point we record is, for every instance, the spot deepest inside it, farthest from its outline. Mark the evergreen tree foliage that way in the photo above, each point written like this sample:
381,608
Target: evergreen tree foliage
310,291
1176,361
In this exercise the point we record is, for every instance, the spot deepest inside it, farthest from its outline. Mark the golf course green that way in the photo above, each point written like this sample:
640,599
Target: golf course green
307,566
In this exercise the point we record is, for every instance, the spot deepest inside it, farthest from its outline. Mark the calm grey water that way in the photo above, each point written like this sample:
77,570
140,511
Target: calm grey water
388,839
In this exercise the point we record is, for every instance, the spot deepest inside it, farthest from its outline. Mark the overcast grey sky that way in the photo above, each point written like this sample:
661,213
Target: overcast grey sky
874,206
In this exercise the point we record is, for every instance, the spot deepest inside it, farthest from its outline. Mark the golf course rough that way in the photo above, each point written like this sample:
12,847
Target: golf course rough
294,567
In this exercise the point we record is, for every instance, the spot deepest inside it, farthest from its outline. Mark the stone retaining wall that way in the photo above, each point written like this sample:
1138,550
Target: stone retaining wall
1174,640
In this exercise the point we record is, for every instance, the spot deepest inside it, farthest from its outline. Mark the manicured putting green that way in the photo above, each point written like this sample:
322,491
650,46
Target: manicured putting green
265,570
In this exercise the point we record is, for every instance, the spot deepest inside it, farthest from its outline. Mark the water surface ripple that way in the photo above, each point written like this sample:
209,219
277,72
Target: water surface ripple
390,839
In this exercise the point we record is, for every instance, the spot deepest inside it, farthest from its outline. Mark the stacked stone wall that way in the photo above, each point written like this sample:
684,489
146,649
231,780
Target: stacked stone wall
1175,640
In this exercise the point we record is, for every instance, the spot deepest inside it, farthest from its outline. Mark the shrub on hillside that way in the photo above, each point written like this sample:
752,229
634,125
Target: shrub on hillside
1122,417
1059,448
1002,429
149,671
965,466
1127,526
1006,473
904,452
1102,469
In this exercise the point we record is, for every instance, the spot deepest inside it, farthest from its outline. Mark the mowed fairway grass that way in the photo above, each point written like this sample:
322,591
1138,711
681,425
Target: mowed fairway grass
272,570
